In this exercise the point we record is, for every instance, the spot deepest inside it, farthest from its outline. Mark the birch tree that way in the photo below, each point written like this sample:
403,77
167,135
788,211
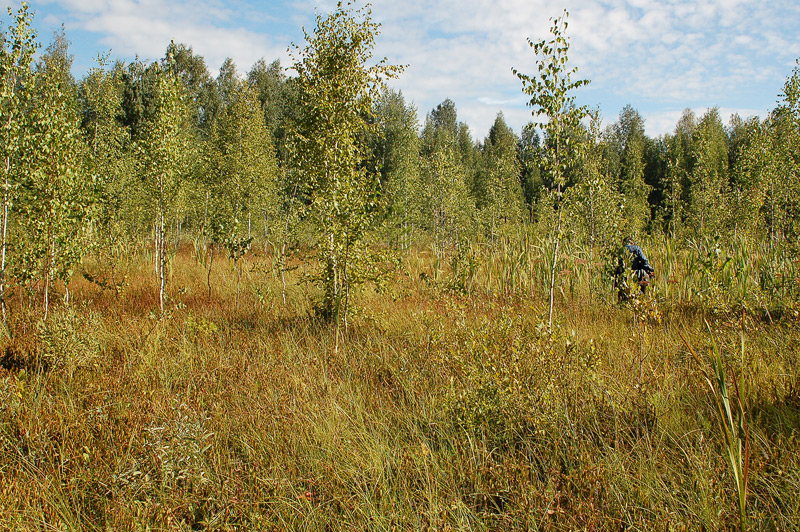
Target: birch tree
551,91
242,174
394,144
109,161
57,190
680,165
336,88
499,190
629,139
163,154
709,179
18,46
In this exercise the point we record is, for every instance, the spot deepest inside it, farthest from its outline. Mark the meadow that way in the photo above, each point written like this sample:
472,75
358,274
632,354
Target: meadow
447,404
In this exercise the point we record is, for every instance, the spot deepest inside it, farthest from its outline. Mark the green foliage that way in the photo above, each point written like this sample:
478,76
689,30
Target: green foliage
629,139
529,150
16,55
447,208
109,160
336,89
747,194
498,191
446,201
57,190
139,96
764,175
595,207
241,171
708,184
395,146
785,179
203,96
164,154
680,165
551,93
454,408
276,96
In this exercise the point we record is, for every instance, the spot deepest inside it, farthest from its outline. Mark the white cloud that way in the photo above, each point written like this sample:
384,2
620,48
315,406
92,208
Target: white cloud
145,28
678,53
658,56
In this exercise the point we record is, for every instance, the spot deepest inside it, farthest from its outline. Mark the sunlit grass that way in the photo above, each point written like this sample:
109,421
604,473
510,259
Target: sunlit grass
446,406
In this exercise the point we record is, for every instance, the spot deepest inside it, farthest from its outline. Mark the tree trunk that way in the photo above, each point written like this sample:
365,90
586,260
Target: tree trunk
555,262
5,240
161,243
210,264
162,262
156,247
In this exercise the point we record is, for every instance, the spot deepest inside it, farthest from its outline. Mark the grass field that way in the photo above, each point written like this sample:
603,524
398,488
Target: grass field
446,405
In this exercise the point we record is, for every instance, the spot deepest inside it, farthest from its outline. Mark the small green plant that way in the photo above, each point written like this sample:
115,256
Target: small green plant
730,415
68,339
464,268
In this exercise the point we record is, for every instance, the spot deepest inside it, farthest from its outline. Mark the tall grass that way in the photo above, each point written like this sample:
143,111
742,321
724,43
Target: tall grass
730,420
447,405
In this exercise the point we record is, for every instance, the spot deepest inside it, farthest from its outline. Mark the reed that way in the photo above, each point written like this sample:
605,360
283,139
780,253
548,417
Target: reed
730,416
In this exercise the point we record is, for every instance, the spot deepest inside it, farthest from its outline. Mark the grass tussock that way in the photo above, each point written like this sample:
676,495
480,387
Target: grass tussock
448,405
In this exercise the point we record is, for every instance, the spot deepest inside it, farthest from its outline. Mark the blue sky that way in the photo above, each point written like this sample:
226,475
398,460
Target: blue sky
658,56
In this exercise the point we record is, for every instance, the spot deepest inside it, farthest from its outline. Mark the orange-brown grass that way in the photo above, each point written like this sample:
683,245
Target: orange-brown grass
438,410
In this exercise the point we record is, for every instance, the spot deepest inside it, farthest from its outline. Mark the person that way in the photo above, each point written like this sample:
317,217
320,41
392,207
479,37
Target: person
639,265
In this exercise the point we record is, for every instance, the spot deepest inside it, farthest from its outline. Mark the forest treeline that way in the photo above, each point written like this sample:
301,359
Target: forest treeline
163,153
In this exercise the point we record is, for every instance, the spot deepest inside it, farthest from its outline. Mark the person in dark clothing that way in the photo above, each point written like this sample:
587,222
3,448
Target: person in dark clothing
639,265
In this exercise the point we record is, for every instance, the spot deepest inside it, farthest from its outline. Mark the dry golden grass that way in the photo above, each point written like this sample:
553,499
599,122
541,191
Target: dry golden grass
439,410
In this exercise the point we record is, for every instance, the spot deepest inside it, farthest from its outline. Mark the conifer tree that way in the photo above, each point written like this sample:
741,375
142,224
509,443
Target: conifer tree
276,95
201,91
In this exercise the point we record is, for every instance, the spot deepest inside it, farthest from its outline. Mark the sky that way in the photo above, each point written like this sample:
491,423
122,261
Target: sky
660,57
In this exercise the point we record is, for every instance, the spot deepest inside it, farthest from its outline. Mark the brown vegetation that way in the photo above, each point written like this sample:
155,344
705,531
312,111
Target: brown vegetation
440,410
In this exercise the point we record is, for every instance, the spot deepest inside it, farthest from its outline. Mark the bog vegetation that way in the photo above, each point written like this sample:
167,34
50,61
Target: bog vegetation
280,302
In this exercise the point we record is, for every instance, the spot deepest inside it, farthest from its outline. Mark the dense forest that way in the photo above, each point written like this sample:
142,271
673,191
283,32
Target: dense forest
165,152
298,237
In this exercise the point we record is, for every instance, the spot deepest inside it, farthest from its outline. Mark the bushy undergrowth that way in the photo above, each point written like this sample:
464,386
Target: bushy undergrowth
440,409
